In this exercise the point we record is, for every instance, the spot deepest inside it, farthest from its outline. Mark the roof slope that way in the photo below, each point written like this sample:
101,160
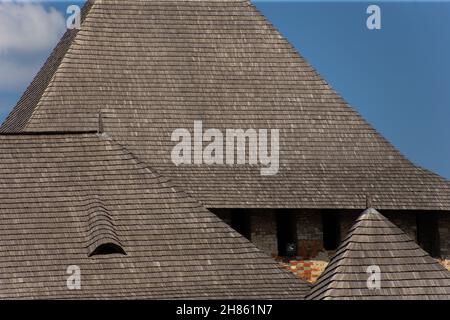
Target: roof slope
62,196
153,66
407,271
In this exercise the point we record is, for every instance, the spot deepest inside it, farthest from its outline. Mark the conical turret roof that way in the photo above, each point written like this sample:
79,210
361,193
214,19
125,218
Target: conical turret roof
374,244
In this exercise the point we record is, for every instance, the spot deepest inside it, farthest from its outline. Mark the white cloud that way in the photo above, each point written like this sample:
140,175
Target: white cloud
28,32
16,74
28,27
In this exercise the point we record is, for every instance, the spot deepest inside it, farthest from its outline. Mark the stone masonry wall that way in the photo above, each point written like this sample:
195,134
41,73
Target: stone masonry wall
405,221
444,234
309,228
309,233
264,231
311,258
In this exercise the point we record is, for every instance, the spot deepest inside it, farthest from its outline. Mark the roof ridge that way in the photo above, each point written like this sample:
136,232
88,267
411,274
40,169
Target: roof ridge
338,263
154,171
136,74
90,206
341,253
168,182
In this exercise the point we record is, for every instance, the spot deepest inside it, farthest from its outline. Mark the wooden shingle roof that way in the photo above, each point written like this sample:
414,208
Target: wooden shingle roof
406,271
151,67
64,195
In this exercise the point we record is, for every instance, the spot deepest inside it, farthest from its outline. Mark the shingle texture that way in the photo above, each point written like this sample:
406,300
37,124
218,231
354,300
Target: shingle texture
407,271
63,195
153,66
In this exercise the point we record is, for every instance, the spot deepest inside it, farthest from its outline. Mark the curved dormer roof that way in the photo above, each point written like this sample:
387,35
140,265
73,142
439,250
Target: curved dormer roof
64,197
102,236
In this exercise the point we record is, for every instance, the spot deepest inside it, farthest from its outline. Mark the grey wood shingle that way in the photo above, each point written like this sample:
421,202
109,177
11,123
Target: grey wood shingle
407,271
153,66
64,195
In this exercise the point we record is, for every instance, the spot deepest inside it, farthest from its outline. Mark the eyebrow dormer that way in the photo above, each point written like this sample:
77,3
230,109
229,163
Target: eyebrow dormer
101,236
106,248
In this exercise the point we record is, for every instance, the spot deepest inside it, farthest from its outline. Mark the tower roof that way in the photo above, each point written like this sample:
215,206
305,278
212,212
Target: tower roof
406,271
151,67
83,200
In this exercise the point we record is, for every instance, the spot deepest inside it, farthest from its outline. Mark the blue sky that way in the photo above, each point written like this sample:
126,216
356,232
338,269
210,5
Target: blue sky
398,77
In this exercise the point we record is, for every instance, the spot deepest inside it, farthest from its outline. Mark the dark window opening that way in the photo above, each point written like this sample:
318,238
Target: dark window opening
428,233
286,234
240,221
106,249
331,229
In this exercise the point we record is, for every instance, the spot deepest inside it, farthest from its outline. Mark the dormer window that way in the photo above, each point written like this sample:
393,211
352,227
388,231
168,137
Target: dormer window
102,238
107,249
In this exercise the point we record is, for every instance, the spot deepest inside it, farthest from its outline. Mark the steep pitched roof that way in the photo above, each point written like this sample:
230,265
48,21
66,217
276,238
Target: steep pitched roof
407,271
153,66
63,197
